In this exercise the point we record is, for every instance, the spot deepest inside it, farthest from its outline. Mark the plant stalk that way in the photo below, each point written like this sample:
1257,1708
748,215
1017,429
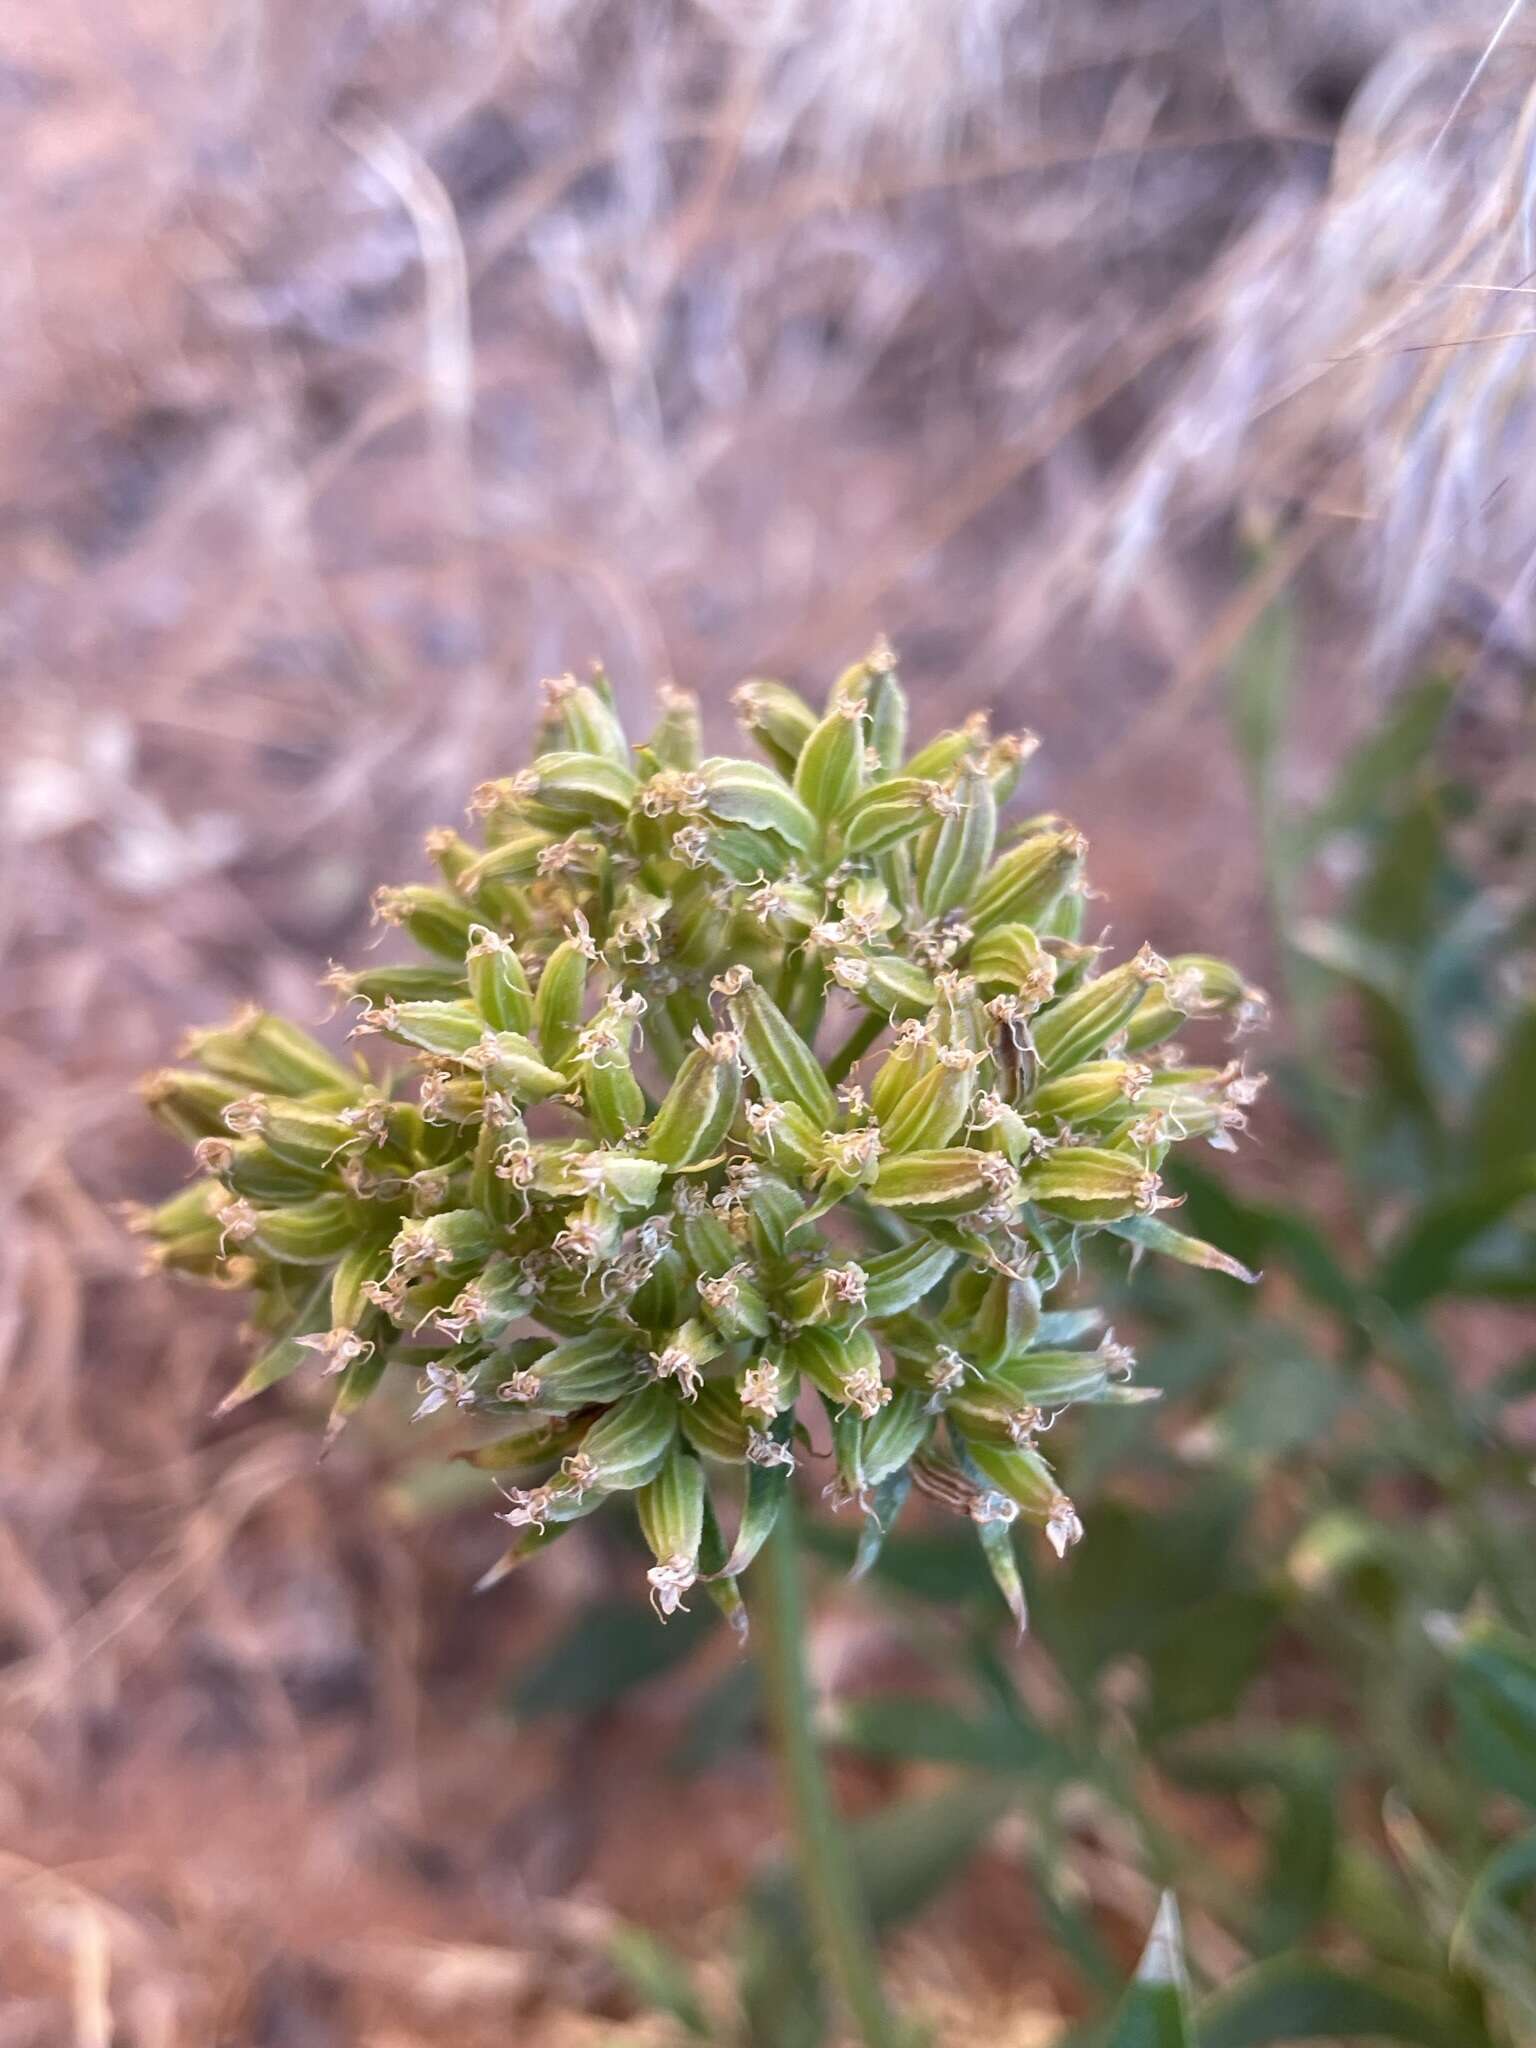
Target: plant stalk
828,1883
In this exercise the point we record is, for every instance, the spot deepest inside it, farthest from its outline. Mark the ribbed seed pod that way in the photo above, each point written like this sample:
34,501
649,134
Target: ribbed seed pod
700,1105
743,793
830,771
782,1063
559,1000
671,1512
935,1108
898,1280
1012,957
1087,1184
956,851
1082,1023
777,717
887,1092
1026,883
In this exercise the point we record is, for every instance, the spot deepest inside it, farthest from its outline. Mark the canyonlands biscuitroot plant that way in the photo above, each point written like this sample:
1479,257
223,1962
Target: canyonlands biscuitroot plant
619,1197
732,1092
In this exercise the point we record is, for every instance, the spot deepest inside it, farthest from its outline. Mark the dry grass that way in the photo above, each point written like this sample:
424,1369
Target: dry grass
365,362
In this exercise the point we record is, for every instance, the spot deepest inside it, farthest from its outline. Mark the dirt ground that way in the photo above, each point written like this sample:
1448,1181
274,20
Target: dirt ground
363,364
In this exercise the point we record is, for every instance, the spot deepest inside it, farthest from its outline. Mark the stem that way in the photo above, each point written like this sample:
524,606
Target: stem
830,1888
854,1047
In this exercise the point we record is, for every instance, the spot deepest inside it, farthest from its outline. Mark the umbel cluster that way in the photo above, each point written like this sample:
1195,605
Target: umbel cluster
729,1091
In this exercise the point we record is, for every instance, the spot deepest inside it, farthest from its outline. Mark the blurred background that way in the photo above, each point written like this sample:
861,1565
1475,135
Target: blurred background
1156,376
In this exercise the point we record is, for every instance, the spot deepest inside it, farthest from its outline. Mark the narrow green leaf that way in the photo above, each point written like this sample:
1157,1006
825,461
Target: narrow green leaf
1155,2010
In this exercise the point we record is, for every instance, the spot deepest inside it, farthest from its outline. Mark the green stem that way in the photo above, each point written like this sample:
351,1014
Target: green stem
828,1883
854,1047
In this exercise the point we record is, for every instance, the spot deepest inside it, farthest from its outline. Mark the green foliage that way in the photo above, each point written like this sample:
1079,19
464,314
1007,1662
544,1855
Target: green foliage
1309,1604
725,1081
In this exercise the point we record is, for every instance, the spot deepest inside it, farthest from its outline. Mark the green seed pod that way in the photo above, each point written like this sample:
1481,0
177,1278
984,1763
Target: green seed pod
1027,882
892,1435
398,982
527,1452
671,1512
1051,1379
912,1056
1095,1091
629,1444
778,719
832,1294
1004,1322
450,853
190,1104
561,790
559,1001
772,1214
941,757
614,1099
1085,1184
1011,957
897,1280
259,1050
249,1167
700,1105
956,850
601,1366
310,1139
889,813
830,771
844,1366
676,738
1005,760
1081,1024
945,1183
444,1243
498,987
516,858
714,1424
310,1233
584,713
734,1303
887,709
746,793
451,1029
895,987
1024,1476
1196,986
935,1108
706,1237
782,1063
438,922
510,1064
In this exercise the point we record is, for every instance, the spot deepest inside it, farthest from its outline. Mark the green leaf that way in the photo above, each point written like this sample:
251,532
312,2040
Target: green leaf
1295,1999
1486,1923
611,1647
1155,2010
1501,1128
1493,1687
1299,1772
658,1977
931,1732
1428,1256
1375,773
1150,1233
